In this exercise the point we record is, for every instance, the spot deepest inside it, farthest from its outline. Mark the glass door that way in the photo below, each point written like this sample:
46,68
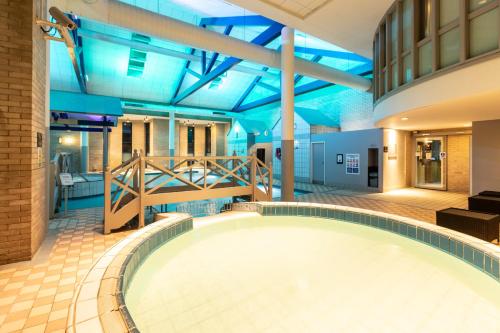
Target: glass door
430,169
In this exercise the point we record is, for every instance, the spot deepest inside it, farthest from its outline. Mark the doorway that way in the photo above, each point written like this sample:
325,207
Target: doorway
261,155
373,167
318,163
430,169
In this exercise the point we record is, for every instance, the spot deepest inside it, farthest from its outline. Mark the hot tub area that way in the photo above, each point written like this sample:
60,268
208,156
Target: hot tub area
292,267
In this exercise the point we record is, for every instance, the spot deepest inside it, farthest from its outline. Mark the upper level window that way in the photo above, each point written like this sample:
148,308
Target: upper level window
147,136
424,19
448,11
407,24
476,4
190,140
126,141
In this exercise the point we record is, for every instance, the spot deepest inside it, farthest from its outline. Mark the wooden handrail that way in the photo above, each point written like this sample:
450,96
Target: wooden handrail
130,180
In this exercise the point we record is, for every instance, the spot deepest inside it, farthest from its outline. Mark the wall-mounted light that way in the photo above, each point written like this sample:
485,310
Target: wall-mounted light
296,144
66,140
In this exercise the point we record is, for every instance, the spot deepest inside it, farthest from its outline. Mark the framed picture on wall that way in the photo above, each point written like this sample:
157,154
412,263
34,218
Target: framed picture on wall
340,158
352,164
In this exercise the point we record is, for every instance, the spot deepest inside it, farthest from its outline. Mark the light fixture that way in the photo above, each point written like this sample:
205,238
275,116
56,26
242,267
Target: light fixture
404,118
67,140
146,119
425,134
59,140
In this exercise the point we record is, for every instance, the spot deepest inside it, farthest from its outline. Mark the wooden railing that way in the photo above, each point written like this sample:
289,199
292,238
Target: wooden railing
151,180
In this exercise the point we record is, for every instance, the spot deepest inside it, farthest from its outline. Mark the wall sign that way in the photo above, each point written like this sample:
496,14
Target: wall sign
66,179
352,164
392,152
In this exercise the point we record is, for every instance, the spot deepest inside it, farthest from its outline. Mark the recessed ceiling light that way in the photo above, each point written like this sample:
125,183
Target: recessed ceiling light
404,118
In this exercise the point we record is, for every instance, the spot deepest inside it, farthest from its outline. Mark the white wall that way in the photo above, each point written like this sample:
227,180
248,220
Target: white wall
397,170
485,156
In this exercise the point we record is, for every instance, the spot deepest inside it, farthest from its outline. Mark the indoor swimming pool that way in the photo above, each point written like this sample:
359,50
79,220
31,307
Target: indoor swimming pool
259,273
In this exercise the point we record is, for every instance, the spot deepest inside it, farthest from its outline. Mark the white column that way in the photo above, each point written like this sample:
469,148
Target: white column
287,113
171,133
171,136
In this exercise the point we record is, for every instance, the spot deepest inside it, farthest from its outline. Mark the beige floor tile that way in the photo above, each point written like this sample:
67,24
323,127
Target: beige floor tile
35,329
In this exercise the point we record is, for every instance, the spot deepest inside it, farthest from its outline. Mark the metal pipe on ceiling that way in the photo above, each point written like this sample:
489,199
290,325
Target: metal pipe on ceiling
120,14
85,33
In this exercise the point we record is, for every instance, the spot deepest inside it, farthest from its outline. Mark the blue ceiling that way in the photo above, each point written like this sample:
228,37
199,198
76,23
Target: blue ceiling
106,63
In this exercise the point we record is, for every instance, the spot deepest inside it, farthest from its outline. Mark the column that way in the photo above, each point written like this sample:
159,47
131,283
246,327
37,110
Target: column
84,152
287,114
171,136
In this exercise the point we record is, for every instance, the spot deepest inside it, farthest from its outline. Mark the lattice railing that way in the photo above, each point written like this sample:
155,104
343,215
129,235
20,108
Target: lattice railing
152,180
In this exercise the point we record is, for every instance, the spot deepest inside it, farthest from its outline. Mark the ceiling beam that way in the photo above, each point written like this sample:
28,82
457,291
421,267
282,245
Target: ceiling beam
250,20
85,33
264,38
361,70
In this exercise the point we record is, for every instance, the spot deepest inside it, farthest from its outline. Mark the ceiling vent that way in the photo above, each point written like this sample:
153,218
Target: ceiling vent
137,59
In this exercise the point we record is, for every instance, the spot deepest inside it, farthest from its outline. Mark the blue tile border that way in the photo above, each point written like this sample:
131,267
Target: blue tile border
138,255
470,254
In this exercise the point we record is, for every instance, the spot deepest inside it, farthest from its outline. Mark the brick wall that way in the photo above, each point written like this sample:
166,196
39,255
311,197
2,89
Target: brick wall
23,172
458,163
95,151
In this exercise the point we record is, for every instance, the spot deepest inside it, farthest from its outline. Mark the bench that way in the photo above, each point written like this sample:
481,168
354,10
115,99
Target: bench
485,204
478,224
489,194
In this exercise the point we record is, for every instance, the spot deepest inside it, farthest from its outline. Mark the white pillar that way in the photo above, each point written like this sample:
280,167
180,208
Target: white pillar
171,133
287,113
171,136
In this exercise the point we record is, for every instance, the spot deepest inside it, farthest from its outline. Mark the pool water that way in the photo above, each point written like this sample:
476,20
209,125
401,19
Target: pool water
284,274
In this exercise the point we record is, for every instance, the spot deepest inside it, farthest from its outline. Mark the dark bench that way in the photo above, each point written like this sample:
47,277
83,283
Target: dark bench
489,194
485,204
478,224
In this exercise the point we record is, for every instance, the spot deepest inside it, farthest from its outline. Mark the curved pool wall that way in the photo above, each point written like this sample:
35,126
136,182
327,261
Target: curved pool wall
105,285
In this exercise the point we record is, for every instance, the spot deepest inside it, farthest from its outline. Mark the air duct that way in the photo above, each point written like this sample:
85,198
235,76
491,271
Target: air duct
119,14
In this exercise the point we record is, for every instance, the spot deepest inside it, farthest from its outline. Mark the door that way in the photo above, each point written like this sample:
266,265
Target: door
373,167
430,168
261,155
318,163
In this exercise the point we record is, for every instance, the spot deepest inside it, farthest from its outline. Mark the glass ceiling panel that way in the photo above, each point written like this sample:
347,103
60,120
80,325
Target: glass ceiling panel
219,94
191,11
62,74
106,65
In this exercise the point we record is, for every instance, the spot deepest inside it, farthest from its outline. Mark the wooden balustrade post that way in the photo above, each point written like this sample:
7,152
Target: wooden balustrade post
135,182
253,175
107,200
205,164
142,171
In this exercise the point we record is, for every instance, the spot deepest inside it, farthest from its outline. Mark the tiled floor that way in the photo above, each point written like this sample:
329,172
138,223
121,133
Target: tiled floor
34,296
415,203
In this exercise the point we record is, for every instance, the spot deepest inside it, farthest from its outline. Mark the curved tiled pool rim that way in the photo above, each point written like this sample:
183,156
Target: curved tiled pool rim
114,270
